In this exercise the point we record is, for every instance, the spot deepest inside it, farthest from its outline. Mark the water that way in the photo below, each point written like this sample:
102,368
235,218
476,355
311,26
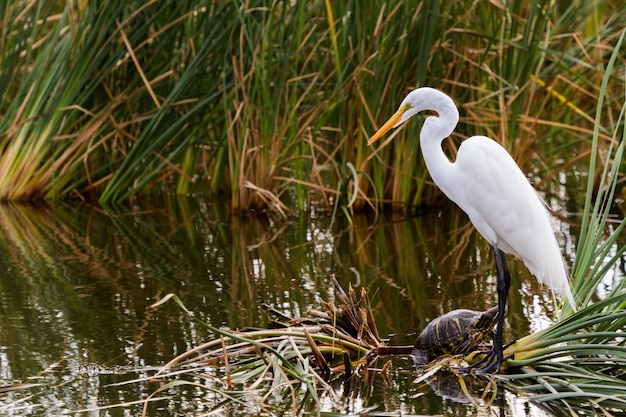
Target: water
77,326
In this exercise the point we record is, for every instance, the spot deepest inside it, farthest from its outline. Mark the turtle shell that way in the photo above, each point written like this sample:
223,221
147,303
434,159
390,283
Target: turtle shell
454,333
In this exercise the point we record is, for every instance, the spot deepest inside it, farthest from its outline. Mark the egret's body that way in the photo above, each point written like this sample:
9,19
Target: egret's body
486,183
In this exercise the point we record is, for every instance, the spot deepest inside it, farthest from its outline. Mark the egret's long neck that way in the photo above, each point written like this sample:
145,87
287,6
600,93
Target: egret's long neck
434,131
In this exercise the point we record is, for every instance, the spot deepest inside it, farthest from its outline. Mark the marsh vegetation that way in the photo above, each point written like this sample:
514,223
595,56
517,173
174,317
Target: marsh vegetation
270,104
253,108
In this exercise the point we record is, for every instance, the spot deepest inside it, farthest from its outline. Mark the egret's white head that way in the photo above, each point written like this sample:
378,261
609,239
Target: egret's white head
424,98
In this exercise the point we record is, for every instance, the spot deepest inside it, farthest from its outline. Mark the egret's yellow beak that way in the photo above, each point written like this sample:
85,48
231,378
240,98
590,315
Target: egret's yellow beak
387,126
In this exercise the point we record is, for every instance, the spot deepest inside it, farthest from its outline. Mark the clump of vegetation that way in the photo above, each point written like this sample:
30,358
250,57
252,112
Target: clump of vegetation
267,102
312,352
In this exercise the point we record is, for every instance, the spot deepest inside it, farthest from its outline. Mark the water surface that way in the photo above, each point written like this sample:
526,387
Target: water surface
77,285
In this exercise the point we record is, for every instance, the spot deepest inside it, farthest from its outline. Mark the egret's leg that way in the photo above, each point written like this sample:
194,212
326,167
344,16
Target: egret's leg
502,287
491,362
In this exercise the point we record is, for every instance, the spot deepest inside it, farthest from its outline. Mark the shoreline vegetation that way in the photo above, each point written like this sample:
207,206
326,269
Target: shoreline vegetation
270,104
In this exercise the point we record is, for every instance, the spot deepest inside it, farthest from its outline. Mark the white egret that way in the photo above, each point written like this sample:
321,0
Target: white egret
486,183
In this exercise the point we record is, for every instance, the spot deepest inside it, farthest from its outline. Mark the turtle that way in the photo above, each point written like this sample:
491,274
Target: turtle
454,333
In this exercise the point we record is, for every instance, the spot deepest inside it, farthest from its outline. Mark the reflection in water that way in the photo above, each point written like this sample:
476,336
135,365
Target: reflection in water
464,389
77,287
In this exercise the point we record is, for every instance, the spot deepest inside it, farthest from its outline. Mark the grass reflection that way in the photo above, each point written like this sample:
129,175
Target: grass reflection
79,283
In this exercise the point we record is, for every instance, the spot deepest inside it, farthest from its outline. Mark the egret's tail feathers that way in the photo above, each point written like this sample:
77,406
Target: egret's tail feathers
554,275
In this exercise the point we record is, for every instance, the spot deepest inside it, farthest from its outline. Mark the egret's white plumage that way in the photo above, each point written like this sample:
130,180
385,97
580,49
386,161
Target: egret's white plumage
487,184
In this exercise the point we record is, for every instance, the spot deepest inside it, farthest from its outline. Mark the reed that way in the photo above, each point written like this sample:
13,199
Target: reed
267,102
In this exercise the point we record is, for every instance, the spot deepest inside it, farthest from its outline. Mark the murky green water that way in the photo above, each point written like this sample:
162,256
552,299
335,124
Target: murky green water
77,285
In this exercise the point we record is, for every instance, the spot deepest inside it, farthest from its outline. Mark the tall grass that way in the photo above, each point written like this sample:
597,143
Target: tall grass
267,102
